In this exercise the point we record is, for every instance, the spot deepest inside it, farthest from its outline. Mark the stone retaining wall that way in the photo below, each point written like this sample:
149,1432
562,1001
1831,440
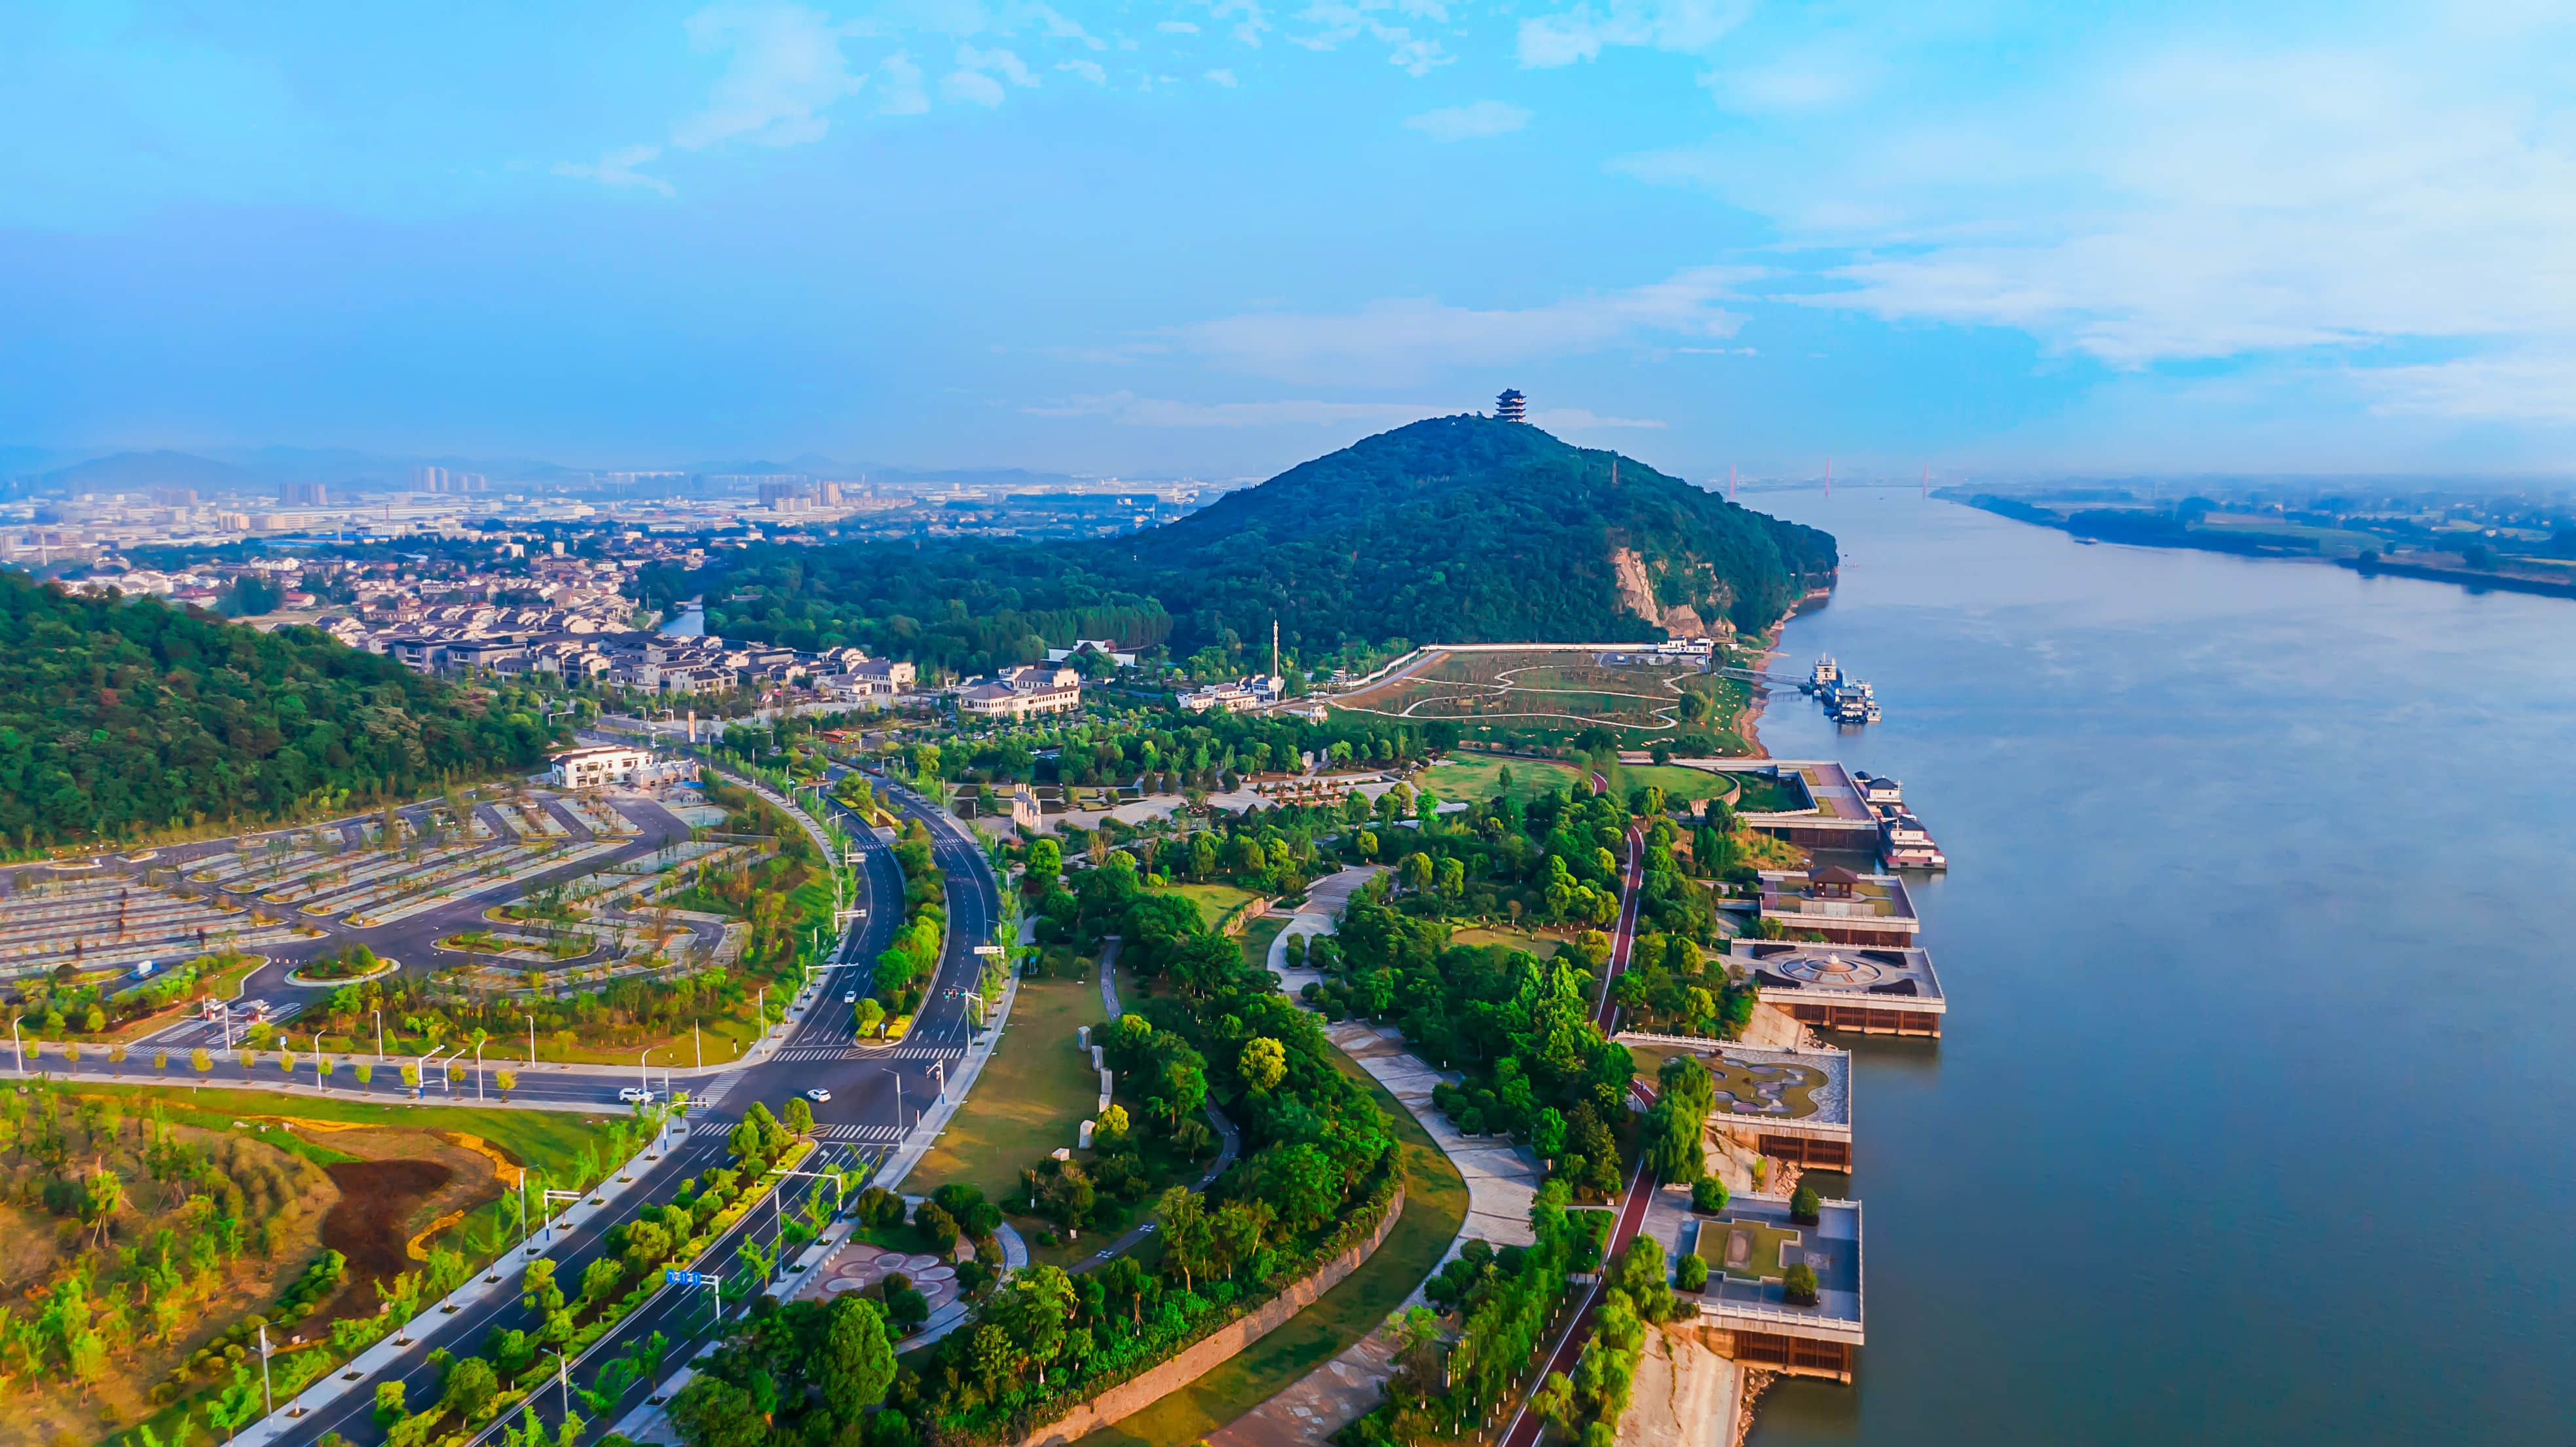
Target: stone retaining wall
1210,1352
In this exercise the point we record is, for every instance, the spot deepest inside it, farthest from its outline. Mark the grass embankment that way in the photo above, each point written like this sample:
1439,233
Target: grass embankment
1257,937
1033,1096
1435,1206
1679,783
417,1198
1216,902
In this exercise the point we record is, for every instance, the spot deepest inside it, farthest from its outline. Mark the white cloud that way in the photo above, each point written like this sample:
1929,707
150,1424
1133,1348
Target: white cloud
2529,385
1584,31
2328,208
1408,337
1223,77
1338,22
899,86
1007,64
786,69
973,87
1088,69
1129,410
1470,122
1177,27
617,168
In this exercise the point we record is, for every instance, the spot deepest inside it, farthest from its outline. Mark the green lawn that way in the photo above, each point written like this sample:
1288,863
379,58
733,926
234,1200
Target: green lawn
541,1138
1539,945
1435,1206
1678,782
1764,794
1033,1096
1215,901
1472,776
1257,937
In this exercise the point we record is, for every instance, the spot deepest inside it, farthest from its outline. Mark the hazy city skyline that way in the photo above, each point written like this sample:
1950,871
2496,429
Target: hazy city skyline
1216,239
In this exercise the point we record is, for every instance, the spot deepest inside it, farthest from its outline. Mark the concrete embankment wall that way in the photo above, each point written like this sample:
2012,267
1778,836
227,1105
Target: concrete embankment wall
1206,1355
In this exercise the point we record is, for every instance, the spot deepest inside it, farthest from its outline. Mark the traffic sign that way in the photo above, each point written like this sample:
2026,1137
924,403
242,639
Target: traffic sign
990,950
687,1278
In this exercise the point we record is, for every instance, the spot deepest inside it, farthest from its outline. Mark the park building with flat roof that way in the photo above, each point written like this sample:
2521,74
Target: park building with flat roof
1874,990
1792,1104
1749,1246
1812,803
1841,905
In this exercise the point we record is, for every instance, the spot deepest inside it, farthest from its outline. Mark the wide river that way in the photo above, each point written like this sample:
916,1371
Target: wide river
2254,1120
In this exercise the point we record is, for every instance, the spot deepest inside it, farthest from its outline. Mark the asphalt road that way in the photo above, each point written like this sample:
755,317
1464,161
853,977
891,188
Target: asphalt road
876,1091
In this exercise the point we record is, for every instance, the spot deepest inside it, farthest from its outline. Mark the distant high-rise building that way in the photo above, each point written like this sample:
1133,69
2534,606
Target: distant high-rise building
429,479
1511,406
302,494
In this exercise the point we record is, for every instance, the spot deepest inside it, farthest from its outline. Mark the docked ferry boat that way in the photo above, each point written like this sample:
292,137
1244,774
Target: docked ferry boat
1853,703
1823,678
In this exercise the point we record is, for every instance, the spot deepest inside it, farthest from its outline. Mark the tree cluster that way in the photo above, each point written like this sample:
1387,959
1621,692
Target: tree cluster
121,716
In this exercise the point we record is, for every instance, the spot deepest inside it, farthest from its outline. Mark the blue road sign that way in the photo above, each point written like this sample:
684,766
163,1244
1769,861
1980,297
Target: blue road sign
686,1278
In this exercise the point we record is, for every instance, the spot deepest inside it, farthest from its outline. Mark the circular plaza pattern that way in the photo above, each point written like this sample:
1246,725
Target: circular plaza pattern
1828,970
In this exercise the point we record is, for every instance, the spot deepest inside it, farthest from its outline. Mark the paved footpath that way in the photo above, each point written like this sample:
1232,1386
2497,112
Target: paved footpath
1501,1179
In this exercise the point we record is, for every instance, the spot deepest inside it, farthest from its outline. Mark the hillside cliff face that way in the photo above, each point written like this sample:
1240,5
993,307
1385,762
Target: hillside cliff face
1454,529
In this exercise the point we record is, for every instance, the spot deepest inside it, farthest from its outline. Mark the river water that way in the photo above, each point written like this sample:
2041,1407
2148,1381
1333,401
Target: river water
2251,1122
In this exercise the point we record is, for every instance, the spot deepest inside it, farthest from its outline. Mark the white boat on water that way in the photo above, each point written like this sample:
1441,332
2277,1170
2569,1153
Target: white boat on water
1822,678
1854,704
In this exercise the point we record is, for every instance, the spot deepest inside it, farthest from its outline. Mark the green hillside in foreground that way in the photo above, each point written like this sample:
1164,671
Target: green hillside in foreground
126,715
1454,529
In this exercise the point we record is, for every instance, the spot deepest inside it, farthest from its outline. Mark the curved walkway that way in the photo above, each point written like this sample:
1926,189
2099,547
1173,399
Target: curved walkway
1502,1180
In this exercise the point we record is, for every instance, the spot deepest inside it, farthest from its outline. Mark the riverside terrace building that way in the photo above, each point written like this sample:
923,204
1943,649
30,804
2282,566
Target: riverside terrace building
1844,907
1874,991
1749,1247
1790,1104
1814,805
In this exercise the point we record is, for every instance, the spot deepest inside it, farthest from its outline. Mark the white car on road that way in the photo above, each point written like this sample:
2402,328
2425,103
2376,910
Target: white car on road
818,1095
635,1095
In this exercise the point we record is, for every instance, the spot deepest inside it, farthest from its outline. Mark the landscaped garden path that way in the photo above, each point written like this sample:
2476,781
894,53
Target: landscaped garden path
1501,1181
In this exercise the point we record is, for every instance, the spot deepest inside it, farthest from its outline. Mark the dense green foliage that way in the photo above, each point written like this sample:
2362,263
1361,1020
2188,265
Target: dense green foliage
119,716
1453,529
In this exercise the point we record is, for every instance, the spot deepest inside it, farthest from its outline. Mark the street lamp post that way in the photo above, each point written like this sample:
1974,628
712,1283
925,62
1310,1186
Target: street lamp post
532,1042
478,1072
380,1035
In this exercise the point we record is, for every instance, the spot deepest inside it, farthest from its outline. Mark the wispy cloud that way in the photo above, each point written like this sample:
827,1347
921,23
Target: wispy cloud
785,68
1583,31
1335,23
1129,410
2328,207
1408,337
1472,121
618,168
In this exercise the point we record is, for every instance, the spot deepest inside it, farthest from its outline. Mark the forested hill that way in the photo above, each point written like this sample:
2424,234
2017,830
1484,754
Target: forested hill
118,715
1455,529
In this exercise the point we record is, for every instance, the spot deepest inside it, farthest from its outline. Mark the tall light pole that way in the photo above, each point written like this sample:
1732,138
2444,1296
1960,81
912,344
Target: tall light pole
532,1042
478,1072
644,1077
380,1035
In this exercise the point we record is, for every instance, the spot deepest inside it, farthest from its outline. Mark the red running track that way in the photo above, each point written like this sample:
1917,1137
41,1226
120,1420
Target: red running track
1527,1425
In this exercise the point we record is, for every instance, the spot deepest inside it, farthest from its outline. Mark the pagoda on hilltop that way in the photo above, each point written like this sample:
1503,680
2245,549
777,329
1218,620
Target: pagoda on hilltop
1511,406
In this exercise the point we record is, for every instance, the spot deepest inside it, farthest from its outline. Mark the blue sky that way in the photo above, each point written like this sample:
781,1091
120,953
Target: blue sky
1218,238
